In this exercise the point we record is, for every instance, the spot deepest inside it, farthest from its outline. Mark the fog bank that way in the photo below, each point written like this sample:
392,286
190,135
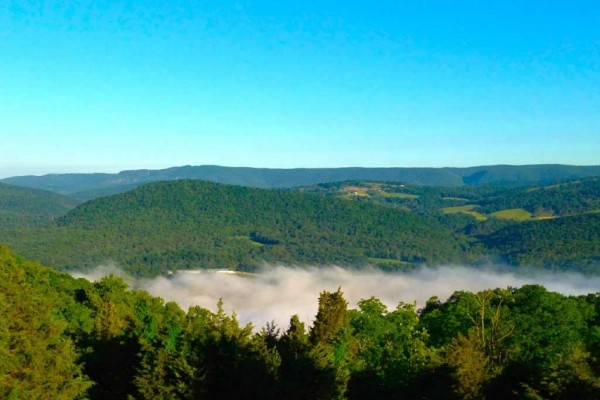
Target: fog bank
278,292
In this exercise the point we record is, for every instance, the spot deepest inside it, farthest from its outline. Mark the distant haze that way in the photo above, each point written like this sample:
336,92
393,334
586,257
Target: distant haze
279,292
88,186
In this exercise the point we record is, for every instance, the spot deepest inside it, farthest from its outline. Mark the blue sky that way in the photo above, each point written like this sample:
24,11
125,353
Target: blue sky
110,85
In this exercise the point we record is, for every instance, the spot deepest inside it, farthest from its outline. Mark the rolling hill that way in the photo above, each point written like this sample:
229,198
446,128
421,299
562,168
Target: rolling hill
189,224
25,206
88,186
195,224
540,201
554,226
568,243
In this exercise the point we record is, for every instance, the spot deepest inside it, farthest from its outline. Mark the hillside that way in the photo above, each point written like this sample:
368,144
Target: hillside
196,224
553,226
481,203
86,186
24,206
569,243
189,224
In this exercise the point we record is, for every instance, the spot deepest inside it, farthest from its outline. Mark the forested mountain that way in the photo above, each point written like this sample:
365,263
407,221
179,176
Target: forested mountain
554,226
63,338
538,201
87,186
21,206
569,243
189,224
195,224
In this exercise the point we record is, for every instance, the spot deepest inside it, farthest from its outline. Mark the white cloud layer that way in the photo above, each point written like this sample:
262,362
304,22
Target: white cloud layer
278,292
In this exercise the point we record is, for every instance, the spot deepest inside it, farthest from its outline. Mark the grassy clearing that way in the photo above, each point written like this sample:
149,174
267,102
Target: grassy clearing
514,214
544,214
356,191
399,195
552,216
468,209
459,209
455,198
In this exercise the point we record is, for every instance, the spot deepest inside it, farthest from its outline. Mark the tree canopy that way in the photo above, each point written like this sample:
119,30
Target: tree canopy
63,338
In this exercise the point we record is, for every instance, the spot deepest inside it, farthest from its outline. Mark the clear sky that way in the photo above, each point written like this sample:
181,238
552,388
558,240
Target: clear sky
97,85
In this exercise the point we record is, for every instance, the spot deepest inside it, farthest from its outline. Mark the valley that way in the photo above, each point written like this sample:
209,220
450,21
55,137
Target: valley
299,200
189,224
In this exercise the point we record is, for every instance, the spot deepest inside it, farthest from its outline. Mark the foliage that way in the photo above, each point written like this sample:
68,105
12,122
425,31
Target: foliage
62,338
194,224
551,226
37,357
393,226
30,207
570,243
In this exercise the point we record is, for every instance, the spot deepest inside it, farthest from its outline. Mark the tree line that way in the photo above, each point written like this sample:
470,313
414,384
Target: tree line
66,338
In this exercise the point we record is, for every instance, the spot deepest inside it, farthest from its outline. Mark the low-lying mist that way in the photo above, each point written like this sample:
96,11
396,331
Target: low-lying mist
278,292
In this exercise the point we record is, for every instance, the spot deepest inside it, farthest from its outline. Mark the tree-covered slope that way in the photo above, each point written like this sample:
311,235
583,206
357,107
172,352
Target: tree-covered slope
519,175
571,243
541,201
62,338
196,224
554,226
24,206
555,200
38,358
89,185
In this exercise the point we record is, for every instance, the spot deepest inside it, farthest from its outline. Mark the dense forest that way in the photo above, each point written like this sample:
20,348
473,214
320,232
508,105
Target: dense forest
540,201
20,206
195,224
569,243
554,226
62,338
190,224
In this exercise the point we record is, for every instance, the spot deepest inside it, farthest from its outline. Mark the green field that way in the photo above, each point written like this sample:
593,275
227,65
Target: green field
366,189
515,214
455,198
399,195
466,209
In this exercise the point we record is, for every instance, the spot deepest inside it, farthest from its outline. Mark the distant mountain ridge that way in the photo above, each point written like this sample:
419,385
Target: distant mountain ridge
21,206
189,224
88,186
